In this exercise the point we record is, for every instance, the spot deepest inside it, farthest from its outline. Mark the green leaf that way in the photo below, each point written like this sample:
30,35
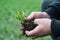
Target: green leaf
20,15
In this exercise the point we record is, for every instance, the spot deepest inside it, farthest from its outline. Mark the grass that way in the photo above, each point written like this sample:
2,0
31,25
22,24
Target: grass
9,25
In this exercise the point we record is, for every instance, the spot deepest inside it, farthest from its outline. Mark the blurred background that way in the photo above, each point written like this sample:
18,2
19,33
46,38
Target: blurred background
9,25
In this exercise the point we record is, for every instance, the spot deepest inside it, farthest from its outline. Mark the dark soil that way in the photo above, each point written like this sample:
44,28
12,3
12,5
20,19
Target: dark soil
28,25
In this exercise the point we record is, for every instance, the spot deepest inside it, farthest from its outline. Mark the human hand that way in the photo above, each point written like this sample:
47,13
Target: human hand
36,15
43,28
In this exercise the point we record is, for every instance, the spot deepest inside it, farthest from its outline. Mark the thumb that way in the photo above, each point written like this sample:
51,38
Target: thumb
28,33
37,21
30,17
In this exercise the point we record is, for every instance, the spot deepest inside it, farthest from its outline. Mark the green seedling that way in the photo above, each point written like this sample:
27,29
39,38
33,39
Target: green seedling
20,15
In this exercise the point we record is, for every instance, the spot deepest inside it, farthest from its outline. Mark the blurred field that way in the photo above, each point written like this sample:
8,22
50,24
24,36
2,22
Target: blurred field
9,25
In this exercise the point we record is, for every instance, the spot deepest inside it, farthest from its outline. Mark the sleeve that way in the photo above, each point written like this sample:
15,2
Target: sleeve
55,27
54,10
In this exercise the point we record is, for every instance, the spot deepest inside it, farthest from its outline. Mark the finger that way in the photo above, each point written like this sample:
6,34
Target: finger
37,21
30,17
29,33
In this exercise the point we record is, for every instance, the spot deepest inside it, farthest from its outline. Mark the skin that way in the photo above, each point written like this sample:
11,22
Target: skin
43,22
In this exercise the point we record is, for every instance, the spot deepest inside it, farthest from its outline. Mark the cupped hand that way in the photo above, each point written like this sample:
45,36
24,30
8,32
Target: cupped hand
43,28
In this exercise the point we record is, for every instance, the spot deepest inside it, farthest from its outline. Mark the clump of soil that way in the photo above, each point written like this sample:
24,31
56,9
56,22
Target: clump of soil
28,25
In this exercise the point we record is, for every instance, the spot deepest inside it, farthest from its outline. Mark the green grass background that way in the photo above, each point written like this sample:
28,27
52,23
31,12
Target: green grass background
9,25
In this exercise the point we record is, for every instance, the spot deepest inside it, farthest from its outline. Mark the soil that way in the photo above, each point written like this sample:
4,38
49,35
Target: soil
28,25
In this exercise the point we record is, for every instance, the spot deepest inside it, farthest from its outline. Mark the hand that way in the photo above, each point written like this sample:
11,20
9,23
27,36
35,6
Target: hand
35,15
43,28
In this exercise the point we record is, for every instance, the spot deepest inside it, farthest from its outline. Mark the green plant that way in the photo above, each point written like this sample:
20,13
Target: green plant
20,15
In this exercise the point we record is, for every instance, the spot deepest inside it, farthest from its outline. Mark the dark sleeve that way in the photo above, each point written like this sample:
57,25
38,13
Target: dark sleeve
54,10
55,27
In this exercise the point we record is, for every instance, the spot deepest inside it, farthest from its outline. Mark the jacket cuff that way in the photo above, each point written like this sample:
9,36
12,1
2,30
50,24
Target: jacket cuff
55,27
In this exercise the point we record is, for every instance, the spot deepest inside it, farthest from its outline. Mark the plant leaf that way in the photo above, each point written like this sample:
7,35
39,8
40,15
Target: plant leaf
20,15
